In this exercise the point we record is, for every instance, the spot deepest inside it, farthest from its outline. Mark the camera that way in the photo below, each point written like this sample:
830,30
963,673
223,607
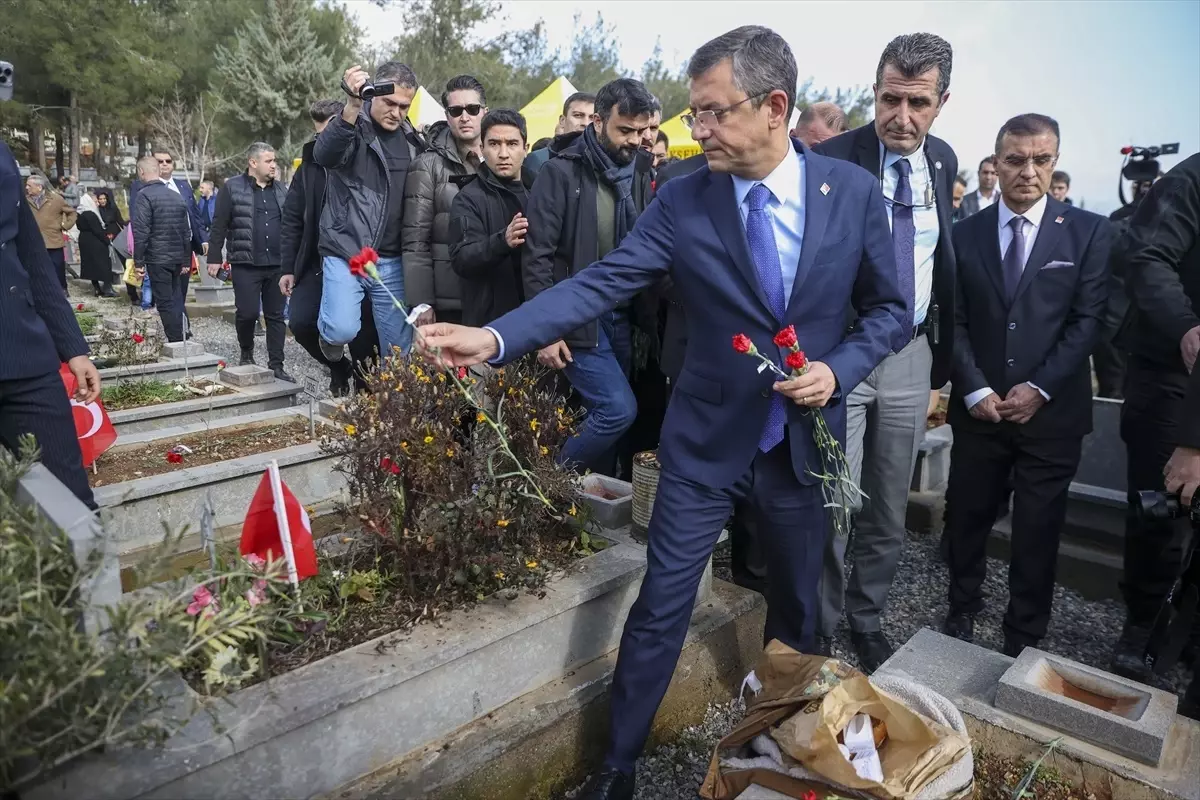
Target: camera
1163,506
370,90
1173,626
6,80
1142,169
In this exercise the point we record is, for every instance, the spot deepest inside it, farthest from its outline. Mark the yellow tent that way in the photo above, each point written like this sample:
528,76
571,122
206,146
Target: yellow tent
425,110
680,137
542,112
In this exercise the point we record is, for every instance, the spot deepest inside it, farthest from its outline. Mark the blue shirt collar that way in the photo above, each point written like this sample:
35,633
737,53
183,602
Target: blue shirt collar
887,157
783,182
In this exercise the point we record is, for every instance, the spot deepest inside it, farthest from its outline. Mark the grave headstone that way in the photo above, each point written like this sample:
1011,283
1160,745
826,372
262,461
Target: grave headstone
188,349
247,375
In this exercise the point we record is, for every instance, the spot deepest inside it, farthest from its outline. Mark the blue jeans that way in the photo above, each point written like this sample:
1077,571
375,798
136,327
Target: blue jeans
341,304
599,375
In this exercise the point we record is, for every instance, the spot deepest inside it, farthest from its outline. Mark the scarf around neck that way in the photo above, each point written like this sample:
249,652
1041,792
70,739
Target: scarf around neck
620,178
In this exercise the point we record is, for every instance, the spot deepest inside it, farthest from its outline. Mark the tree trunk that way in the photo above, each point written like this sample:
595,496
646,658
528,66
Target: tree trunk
76,135
98,134
37,143
143,143
59,135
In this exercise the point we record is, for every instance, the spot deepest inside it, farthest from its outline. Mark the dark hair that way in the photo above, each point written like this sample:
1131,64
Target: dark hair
156,150
541,143
830,113
915,53
630,97
397,73
662,137
503,116
988,160
1029,125
463,83
322,110
960,180
1060,177
254,152
578,97
761,60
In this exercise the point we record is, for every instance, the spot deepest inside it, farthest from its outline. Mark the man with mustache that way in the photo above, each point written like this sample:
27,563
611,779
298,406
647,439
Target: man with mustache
584,202
886,413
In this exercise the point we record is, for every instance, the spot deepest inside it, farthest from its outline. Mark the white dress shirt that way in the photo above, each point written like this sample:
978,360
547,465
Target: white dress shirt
985,201
925,220
786,209
172,185
1032,224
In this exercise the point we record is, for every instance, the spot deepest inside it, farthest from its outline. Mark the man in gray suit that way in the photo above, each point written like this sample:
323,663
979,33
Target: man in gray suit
987,194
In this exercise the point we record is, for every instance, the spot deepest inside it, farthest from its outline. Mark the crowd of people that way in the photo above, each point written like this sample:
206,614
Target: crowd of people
627,272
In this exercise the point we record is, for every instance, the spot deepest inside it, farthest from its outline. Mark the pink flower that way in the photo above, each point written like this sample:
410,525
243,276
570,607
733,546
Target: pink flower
255,561
257,594
203,601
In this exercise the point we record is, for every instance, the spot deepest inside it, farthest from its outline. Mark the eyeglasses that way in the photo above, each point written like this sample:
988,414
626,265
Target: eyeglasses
457,111
711,118
164,161
1041,162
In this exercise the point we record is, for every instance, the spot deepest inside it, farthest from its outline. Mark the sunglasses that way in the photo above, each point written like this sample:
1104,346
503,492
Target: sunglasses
457,111
164,161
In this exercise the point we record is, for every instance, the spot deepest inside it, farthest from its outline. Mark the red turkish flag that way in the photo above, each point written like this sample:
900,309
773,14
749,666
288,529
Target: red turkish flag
92,425
260,530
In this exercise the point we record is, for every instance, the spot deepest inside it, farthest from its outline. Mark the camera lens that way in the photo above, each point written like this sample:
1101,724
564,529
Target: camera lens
1156,505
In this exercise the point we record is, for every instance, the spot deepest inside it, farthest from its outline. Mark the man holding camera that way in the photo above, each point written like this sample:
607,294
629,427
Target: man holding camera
367,152
1160,257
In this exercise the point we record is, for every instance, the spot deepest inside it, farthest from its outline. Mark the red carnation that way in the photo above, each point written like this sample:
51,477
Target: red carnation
796,360
174,457
79,307
462,373
385,464
221,364
742,343
357,268
369,255
138,338
395,468
786,337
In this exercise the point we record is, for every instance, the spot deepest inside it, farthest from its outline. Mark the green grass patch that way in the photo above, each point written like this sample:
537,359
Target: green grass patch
141,393
87,322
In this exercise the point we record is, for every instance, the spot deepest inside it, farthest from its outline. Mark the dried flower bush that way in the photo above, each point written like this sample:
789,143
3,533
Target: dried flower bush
127,348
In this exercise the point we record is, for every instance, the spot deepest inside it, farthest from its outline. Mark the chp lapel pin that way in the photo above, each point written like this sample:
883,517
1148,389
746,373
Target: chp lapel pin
1058,221
824,188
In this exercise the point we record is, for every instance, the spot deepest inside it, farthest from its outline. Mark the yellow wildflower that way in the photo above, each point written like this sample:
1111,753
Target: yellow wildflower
499,575
387,376
441,377
404,446
449,452
511,391
502,523
531,565
428,438
558,411
545,451
572,510
351,430
533,423
480,417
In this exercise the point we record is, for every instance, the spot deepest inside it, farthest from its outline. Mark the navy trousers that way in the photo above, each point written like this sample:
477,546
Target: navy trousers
684,528
40,406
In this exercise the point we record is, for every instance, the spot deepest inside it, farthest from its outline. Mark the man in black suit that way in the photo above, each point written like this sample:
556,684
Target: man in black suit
987,195
39,333
1026,322
886,413
1160,257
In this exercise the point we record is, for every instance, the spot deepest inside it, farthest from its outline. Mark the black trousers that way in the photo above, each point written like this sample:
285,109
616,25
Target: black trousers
305,307
58,257
1154,550
253,286
164,289
40,406
1041,470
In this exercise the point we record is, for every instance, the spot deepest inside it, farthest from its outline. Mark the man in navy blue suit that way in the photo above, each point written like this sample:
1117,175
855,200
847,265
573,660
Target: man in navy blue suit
39,332
768,234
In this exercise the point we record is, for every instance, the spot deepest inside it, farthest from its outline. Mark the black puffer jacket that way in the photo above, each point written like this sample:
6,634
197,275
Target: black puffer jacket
433,181
299,218
562,238
356,196
233,220
161,233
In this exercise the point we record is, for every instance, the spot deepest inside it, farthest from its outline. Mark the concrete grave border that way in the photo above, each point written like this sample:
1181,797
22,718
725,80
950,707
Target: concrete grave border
238,401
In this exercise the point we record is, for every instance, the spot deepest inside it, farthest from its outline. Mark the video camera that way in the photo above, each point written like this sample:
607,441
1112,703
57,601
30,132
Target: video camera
370,90
1173,626
1141,167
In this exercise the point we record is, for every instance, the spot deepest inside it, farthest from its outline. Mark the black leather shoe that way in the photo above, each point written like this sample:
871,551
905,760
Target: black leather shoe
609,784
872,648
960,626
280,375
824,645
1129,655
247,358
1013,647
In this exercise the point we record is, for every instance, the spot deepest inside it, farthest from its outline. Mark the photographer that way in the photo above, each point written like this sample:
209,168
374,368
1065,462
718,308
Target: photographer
1160,256
367,152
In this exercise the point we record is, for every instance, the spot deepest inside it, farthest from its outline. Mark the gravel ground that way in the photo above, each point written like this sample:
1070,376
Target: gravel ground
1083,630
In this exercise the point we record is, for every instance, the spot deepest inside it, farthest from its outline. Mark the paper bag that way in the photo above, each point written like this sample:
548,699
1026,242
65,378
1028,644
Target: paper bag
804,702
131,276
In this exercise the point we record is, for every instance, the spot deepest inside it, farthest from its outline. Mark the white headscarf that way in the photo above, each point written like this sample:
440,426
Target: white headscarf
88,204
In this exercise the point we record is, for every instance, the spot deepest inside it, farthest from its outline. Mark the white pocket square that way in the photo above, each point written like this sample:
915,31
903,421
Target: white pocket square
1059,264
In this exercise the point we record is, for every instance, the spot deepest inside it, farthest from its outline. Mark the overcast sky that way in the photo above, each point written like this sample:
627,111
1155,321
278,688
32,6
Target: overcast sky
1112,73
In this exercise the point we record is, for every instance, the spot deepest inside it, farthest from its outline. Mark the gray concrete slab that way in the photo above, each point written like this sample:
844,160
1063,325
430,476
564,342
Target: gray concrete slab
1118,714
932,469
969,676
247,375
244,400
165,369
189,349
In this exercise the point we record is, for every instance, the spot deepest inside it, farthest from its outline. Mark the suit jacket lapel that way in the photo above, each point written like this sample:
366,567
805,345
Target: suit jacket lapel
817,205
866,150
988,242
1047,238
727,221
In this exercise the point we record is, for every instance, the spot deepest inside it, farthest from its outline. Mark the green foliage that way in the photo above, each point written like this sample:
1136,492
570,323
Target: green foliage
858,103
64,692
87,322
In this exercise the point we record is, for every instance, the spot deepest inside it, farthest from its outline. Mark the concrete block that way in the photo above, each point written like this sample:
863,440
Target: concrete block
926,512
933,460
189,349
247,375
220,295
55,503
246,400
165,369
614,512
1116,713
969,676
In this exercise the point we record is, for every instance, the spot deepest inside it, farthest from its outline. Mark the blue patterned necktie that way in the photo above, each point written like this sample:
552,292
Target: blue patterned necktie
760,235
1014,257
904,234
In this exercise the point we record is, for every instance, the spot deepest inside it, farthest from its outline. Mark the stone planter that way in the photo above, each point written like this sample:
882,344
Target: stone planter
609,513
135,512
332,722
165,369
239,402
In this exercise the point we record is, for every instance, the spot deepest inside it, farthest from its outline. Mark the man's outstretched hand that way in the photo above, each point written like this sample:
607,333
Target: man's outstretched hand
456,345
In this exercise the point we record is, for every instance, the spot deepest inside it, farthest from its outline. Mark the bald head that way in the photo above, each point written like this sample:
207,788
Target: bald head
819,122
147,168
